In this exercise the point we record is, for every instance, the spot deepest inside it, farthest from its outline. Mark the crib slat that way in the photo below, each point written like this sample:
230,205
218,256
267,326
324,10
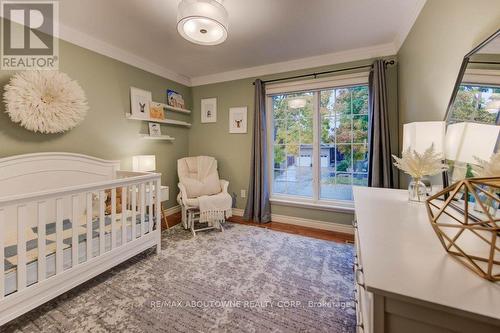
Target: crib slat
150,204
21,247
158,204
75,226
89,226
2,265
42,275
124,214
134,210
113,218
143,208
59,236
158,214
101,222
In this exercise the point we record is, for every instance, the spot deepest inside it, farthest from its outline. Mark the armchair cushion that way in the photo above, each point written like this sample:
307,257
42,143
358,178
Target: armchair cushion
199,176
208,186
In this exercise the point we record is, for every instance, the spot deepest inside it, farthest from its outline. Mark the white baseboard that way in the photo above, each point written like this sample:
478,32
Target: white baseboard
173,210
330,226
238,211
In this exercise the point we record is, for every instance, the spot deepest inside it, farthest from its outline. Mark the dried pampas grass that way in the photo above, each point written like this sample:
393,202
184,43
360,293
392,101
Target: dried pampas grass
45,101
419,165
489,168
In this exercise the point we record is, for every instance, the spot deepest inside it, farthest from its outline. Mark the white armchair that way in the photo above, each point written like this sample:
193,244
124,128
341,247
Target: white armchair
196,180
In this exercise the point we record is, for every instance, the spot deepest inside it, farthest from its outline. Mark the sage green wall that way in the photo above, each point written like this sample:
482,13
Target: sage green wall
430,57
105,132
233,151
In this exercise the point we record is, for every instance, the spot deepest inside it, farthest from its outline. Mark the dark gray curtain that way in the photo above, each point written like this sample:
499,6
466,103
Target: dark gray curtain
258,206
380,160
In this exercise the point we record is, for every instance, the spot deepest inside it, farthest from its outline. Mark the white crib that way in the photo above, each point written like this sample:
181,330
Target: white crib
65,218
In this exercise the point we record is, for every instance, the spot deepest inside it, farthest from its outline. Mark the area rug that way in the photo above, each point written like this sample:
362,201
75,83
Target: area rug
245,279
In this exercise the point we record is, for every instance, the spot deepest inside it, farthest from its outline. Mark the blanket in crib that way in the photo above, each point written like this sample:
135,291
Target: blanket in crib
10,250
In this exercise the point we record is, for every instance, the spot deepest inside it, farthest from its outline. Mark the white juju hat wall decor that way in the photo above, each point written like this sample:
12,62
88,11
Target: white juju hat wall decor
45,101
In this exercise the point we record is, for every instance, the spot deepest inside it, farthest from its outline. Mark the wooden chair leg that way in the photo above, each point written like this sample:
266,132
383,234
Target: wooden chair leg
164,217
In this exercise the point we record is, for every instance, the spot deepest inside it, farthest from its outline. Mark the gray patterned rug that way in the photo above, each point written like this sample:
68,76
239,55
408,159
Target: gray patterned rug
246,279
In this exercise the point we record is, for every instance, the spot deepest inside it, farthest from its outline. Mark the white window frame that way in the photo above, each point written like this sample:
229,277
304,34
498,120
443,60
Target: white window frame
482,77
315,85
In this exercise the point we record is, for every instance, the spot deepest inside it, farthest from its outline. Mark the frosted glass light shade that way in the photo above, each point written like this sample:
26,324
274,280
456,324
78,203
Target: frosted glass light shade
419,136
203,22
297,103
494,104
144,163
464,141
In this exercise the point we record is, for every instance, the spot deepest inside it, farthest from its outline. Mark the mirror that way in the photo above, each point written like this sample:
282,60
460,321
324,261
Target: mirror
473,115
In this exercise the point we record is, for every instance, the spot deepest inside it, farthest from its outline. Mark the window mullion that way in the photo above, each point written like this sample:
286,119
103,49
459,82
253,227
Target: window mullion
316,161
270,141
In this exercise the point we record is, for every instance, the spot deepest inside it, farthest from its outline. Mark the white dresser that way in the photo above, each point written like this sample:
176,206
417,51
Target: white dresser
406,282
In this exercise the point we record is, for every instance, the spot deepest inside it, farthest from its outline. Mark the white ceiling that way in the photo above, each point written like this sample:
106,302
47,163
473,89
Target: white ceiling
288,34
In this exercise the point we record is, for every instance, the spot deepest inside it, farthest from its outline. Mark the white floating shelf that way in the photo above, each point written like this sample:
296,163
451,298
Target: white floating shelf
172,108
162,121
162,137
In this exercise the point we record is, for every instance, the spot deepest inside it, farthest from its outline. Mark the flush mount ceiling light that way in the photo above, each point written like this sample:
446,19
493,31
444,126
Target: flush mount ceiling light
202,22
493,105
297,103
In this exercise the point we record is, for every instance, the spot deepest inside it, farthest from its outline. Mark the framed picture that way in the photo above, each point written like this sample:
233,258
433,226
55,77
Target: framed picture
156,111
140,101
154,129
209,110
175,99
238,120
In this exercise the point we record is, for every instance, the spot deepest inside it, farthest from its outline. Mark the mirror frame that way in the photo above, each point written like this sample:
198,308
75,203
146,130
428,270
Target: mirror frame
463,68
458,82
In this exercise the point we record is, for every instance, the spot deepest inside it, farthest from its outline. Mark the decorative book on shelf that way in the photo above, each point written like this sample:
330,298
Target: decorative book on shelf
175,108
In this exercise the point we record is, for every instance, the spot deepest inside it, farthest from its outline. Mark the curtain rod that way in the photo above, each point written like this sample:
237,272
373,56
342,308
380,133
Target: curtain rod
390,62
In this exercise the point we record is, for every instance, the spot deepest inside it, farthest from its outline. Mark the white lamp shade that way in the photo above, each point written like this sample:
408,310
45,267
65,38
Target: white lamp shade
144,163
419,136
203,22
467,141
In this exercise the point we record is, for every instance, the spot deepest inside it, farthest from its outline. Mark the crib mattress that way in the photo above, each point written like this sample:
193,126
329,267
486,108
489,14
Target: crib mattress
10,263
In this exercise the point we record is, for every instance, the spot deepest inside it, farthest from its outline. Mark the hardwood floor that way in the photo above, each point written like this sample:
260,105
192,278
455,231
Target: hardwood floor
283,227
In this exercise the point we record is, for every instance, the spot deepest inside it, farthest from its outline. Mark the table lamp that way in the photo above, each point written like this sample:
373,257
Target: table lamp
467,141
419,136
144,163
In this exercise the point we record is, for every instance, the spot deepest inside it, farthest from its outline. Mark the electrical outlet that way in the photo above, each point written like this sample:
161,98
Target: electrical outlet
243,193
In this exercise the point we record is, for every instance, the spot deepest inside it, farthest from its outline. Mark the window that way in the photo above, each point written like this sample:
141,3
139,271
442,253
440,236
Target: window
473,103
344,140
319,142
292,144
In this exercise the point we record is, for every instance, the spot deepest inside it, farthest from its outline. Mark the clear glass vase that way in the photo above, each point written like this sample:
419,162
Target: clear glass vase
417,191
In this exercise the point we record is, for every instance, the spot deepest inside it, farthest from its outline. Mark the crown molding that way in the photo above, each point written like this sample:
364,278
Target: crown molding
88,42
406,28
381,50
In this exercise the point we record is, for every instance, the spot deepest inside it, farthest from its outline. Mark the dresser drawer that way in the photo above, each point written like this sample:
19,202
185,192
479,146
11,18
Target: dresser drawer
364,299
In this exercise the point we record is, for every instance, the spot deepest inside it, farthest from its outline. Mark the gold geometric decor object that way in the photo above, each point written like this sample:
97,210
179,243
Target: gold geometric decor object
466,219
